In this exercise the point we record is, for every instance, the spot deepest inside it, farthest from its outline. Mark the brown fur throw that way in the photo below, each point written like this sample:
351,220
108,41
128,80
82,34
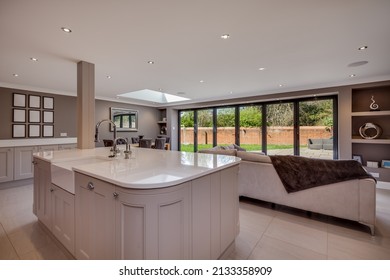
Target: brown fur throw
300,173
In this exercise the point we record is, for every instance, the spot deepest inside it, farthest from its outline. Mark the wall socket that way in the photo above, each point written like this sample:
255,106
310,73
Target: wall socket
63,134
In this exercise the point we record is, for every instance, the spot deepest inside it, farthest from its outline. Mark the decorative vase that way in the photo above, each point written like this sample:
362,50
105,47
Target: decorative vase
370,131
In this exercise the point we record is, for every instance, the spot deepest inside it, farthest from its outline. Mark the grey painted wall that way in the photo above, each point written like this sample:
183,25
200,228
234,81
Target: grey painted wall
147,120
65,114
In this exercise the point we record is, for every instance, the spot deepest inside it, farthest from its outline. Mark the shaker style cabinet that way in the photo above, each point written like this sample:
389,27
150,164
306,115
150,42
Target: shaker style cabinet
197,219
42,191
6,164
62,213
153,224
53,206
95,218
24,168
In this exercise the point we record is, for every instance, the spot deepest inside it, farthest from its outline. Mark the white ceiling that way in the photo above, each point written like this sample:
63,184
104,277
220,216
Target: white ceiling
302,44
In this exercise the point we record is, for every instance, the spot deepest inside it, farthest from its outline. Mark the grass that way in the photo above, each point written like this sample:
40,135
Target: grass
248,147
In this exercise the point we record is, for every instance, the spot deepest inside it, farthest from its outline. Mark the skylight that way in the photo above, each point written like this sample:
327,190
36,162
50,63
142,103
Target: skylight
153,96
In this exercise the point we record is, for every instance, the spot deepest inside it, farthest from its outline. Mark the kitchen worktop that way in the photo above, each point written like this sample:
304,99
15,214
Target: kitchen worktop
145,169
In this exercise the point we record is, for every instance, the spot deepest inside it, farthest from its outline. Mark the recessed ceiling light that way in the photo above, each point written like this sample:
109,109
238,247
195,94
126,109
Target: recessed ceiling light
34,59
201,81
108,77
151,62
358,63
280,85
262,68
225,36
66,29
352,75
362,48
15,75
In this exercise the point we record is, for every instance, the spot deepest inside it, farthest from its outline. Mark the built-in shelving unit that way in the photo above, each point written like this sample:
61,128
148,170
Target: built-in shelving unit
373,150
162,123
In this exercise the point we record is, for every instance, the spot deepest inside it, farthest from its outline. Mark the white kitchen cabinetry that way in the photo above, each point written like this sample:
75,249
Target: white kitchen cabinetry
153,224
215,222
23,166
6,164
53,206
67,146
197,219
42,192
95,218
62,213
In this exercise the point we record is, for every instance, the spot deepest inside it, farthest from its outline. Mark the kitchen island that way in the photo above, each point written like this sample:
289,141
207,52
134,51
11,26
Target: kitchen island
155,205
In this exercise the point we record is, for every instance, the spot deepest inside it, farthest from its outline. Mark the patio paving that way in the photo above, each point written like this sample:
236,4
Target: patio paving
305,152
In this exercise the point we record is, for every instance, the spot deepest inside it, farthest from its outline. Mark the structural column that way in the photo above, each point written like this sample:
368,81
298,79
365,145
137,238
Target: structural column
85,105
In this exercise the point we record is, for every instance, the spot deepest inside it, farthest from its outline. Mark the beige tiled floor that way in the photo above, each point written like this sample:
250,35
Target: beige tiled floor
265,233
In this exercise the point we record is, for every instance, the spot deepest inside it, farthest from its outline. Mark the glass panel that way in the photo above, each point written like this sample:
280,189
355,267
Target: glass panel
316,128
205,129
226,126
187,131
122,116
250,128
280,129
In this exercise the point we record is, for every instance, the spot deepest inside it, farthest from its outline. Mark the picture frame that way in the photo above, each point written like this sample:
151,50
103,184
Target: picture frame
48,116
48,102
34,101
358,158
47,130
19,100
18,131
34,130
34,116
19,115
386,163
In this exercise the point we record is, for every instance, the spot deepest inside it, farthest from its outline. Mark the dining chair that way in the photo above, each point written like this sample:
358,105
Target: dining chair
108,143
159,143
167,138
145,143
134,140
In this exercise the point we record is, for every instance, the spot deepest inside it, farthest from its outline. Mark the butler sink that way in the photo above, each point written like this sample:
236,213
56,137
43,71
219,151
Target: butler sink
62,174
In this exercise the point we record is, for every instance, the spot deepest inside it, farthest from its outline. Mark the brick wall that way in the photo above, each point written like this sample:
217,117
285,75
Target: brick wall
275,135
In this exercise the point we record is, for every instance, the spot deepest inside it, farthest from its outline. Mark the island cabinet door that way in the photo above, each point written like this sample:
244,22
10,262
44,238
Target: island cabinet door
62,210
229,207
95,218
153,224
42,191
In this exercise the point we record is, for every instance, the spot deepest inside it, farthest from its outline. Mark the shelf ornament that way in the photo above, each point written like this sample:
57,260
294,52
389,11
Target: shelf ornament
373,105
370,131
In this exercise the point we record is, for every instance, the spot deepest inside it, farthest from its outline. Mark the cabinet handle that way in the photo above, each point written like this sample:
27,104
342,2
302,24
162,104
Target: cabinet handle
91,186
34,162
115,194
51,190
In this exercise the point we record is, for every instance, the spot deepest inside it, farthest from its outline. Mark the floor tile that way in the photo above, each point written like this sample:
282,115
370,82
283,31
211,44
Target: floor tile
299,232
274,249
266,232
341,247
7,251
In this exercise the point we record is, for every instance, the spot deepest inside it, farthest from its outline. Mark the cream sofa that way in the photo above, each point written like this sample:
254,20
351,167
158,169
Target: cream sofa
353,200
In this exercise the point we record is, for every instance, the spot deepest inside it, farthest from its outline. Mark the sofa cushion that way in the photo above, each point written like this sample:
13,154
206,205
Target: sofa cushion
231,152
235,147
257,157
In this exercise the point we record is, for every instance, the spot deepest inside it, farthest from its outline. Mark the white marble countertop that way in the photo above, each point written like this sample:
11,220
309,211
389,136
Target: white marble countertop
146,168
36,142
